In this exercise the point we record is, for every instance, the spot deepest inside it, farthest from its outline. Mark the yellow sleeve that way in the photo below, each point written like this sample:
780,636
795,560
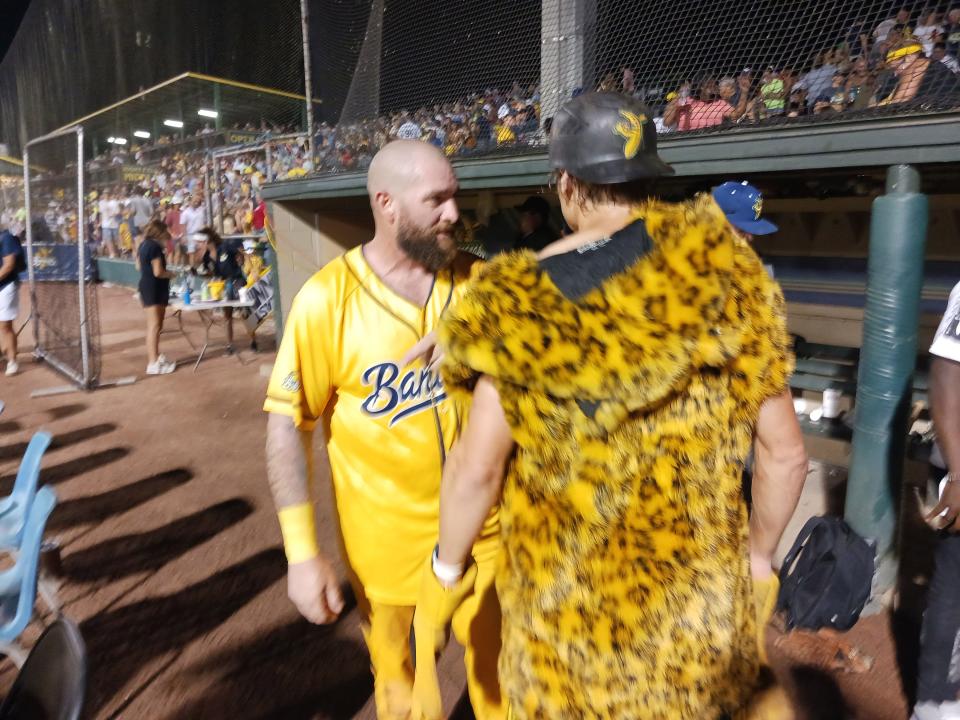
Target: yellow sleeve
301,382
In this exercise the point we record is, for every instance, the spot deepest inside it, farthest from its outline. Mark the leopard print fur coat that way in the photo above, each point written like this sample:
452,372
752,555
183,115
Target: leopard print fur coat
624,573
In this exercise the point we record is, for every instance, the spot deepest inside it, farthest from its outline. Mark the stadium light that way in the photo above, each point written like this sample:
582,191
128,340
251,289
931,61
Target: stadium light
111,139
119,141
207,113
173,123
141,134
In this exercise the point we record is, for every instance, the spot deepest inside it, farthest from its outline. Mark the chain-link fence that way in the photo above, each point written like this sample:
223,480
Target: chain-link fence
484,78
64,306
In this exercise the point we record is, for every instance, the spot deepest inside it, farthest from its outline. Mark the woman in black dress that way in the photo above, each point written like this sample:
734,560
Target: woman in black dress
155,292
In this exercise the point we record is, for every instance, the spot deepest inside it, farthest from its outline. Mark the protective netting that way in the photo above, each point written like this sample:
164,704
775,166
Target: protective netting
483,78
64,304
74,57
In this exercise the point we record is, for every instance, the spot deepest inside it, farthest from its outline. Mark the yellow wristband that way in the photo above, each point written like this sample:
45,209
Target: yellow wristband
299,532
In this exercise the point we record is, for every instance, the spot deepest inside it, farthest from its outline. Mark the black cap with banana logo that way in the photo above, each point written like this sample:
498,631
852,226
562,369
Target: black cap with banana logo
606,138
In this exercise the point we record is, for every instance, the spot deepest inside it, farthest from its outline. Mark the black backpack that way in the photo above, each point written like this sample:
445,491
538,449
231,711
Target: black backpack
826,577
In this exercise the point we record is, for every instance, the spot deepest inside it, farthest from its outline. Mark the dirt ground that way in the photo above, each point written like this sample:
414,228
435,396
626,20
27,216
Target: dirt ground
172,557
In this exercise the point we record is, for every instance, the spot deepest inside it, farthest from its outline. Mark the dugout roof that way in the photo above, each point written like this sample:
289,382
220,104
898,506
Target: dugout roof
181,97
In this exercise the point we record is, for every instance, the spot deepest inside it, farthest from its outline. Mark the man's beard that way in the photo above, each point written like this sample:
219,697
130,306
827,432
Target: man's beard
424,247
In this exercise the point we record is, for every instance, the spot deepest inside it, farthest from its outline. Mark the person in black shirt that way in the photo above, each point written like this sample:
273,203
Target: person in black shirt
920,79
535,233
222,260
155,292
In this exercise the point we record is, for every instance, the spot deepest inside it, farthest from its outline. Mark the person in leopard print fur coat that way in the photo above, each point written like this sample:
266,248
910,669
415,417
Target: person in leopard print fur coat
618,380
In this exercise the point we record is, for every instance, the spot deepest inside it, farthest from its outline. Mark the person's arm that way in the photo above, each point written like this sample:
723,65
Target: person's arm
8,266
741,109
158,272
780,469
312,584
671,114
473,475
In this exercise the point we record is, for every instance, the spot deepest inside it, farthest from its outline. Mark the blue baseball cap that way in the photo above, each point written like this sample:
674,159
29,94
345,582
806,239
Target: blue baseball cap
742,203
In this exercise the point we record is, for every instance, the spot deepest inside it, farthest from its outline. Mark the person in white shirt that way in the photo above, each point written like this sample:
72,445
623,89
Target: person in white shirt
409,131
883,29
929,30
938,684
194,219
109,222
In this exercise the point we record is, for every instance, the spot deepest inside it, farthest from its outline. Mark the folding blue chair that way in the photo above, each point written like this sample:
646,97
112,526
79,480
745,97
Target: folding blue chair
18,584
15,507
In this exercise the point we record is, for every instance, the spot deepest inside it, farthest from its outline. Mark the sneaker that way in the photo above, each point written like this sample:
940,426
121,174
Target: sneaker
12,367
160,367
162,359
229,350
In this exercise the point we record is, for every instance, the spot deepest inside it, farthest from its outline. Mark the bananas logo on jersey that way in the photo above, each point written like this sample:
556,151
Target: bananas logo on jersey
631,130
757,207
401,396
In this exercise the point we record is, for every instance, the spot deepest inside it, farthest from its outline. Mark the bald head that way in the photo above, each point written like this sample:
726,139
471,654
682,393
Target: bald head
412,187
400,164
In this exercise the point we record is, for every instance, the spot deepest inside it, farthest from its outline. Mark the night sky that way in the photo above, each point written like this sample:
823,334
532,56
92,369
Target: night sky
11,13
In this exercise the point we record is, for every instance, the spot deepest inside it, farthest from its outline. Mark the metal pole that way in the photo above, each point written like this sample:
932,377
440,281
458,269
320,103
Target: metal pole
29,231
898,233
269,164
81,275
307,81
206,189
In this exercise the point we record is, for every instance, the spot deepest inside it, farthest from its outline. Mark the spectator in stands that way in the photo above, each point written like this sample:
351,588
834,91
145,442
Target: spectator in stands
920,78
11,263
142,209
951,33
174,223
155,293
929,30
838,93
259,215
194,219
708,110
409,130
883,29
940,55
818,80
535,232
772,92
861,85
109,222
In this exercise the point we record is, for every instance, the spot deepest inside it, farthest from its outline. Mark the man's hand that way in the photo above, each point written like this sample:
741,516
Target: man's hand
313,587
949,507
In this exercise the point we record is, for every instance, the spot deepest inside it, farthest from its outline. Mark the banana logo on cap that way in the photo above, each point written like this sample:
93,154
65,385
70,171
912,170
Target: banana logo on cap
632,131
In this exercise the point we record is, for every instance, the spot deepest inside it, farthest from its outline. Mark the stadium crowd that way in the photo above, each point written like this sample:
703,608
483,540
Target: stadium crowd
907,59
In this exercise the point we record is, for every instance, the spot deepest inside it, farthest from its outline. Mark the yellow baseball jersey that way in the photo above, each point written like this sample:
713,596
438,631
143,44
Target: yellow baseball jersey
388,428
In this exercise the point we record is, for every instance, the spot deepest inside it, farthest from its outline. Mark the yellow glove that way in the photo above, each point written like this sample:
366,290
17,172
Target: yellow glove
435,607
765,603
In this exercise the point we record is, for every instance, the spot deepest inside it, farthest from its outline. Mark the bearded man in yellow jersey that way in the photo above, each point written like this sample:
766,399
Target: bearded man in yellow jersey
387,429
